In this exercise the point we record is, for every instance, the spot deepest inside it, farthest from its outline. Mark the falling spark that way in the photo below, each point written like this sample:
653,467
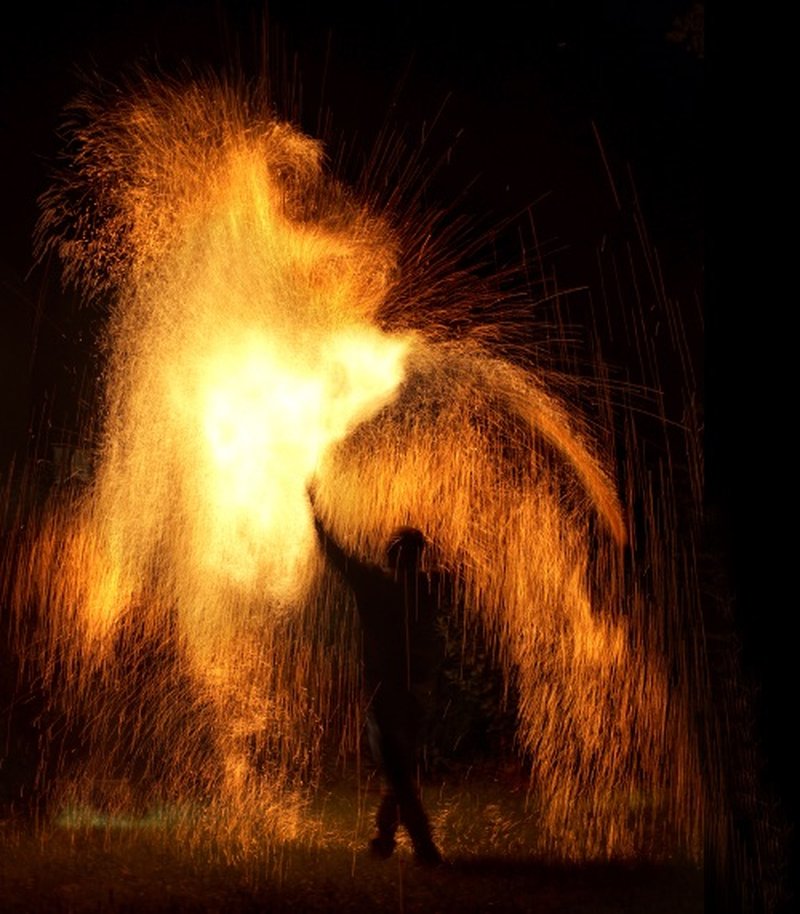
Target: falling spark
254,345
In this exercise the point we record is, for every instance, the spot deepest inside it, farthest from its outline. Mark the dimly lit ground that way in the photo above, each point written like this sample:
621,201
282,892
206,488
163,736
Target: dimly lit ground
482,827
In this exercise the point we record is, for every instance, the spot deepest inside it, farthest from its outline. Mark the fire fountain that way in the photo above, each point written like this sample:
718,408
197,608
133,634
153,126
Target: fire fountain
267,328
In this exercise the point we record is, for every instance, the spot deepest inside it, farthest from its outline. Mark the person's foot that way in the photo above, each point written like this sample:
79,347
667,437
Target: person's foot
382,846
427,854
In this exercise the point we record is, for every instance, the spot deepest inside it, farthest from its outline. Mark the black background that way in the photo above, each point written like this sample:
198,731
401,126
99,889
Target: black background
514,89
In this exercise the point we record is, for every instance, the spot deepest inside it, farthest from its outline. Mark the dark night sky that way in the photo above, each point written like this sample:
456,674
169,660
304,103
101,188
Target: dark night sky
518,85
523,82
515,92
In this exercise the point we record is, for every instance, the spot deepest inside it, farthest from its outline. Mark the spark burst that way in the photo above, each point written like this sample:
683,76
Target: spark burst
258,338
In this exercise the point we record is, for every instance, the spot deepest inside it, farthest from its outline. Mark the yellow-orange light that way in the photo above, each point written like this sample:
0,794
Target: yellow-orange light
266,415
248,353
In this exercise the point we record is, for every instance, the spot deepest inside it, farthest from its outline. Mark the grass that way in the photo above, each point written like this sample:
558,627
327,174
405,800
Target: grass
84,862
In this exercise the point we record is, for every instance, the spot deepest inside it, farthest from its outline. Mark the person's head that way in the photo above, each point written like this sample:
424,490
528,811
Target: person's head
404,552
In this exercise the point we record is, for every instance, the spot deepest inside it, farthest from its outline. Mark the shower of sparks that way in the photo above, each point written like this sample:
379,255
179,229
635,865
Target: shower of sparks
250,351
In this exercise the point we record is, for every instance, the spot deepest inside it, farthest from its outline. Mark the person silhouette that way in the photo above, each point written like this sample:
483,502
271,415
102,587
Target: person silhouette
398,607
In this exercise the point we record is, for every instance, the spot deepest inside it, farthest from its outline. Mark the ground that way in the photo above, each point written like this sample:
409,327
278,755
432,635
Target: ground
118,865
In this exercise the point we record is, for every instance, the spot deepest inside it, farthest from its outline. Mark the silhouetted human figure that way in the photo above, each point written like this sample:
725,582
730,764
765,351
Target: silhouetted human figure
398,610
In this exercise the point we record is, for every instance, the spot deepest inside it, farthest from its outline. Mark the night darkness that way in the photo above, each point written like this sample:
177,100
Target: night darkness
508,100
505,101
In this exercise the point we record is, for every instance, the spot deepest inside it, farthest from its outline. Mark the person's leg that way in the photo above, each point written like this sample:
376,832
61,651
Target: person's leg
387,816
396,727
386,822
415,820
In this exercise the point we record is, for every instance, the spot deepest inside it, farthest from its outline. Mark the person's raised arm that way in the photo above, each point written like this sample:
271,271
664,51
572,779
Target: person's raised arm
328,545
